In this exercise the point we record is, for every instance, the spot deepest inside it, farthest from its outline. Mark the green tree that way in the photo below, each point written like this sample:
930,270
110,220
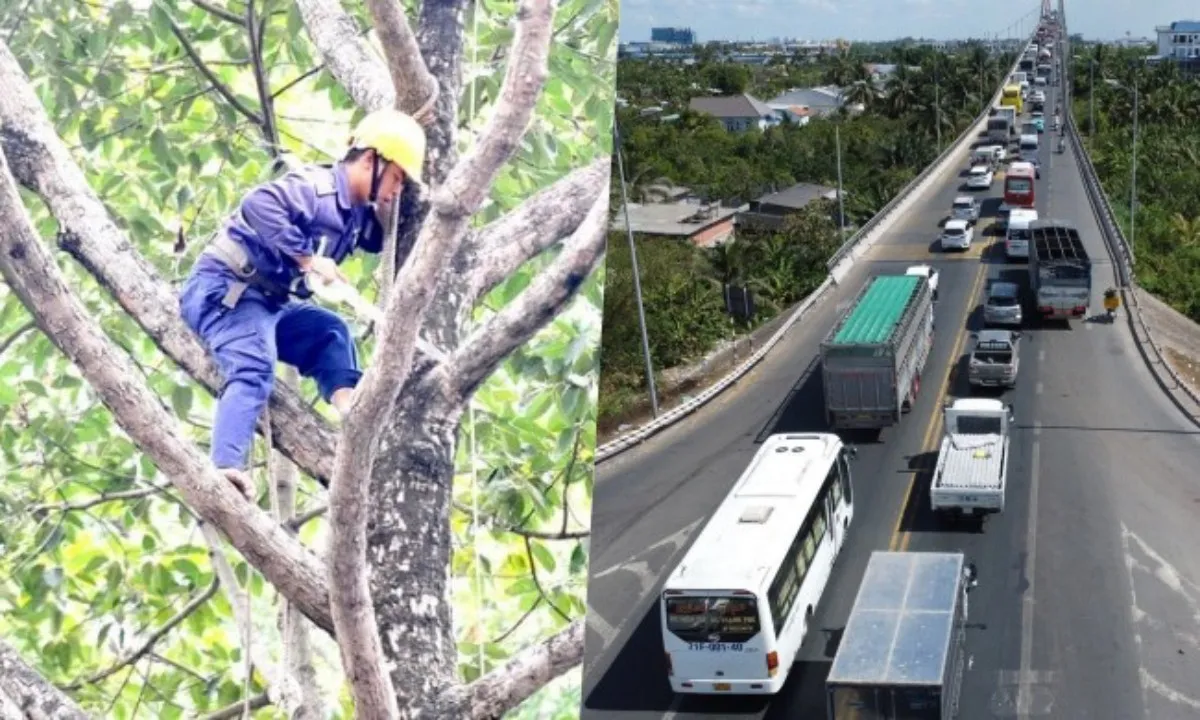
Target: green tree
133,130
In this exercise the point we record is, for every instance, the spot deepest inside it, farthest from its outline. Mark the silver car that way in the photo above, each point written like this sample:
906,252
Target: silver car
1003,305
966,208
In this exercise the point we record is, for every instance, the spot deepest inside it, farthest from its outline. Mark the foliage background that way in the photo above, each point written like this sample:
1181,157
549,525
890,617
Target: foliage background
1167,233
882,150
81,588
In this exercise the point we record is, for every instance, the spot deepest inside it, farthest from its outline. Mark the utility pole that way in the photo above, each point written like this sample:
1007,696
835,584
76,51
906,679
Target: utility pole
1133,173
837,139
1091,98
937,107
637,281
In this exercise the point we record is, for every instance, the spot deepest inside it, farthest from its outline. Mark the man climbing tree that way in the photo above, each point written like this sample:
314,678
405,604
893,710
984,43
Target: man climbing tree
238,298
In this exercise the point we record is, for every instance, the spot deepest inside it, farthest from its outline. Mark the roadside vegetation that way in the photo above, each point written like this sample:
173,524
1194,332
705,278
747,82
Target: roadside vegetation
1167,237
882,150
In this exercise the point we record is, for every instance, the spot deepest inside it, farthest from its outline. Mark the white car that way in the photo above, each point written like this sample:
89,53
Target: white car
980,178
966,208
930,274
956,235
1039,96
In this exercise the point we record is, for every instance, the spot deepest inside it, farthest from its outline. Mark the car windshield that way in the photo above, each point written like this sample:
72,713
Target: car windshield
1003,301
963,205
954,231
979,172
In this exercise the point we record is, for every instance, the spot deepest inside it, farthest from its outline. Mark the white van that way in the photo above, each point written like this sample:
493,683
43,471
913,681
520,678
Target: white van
1016,237
1029,148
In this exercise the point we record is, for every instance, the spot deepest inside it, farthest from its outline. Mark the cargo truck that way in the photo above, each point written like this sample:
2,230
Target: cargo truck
872,359
972,465
1060,271
903,652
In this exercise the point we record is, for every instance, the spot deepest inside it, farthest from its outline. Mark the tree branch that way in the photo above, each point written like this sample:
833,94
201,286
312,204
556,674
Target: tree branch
254,34
512,327
543,535
25,687
235,710
209,75
101,499
220,12
505,688
16,335
349,58
193,605
42,162
411,80
453,203
533,226
39,283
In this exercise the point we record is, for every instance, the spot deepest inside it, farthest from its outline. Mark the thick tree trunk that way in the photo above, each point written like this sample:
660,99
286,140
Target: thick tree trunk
40,161
23,688
411,494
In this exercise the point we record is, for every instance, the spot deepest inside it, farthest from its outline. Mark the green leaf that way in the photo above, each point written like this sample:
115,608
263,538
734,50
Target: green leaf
181,400
544,558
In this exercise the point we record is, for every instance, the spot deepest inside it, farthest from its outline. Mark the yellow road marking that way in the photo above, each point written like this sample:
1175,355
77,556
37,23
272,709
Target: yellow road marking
912,252
900,539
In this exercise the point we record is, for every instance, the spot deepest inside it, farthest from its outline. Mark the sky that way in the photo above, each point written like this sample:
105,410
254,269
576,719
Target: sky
888,19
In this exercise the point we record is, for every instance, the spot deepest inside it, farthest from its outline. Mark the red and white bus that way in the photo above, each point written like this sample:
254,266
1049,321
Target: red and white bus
1019,186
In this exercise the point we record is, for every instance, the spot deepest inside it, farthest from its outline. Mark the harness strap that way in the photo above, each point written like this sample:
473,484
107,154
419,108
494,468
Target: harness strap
234,256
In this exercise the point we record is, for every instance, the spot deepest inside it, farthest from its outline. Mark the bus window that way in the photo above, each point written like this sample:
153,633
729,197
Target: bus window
835,492
844,469
810,547
819,525
713,618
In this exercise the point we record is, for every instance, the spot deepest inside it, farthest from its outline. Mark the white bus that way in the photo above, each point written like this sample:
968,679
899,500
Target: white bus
736,608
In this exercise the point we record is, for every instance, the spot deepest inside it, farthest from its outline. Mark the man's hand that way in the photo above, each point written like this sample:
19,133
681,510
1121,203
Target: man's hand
323,267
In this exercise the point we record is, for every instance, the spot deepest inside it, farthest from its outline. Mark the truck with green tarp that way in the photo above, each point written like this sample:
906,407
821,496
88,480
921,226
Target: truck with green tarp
872,359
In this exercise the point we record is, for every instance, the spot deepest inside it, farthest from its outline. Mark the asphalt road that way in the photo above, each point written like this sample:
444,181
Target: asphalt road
1088,598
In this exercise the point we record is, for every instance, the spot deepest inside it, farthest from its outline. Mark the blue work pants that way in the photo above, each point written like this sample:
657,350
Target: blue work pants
247,341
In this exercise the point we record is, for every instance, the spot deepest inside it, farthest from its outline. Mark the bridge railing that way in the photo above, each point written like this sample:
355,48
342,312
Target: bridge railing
1124,260
838,266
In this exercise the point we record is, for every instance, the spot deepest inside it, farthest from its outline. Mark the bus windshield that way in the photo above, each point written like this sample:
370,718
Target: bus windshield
712,618
1018,185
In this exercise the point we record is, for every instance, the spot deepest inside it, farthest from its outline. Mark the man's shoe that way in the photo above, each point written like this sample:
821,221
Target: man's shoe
240,480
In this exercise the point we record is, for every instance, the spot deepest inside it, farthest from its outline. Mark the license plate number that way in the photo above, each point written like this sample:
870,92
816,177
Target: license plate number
715,647
719,687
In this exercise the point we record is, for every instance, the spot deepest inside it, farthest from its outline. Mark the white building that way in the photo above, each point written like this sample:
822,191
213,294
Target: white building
1180,40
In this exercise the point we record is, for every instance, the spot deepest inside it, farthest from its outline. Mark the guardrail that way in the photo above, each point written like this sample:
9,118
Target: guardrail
1123,258
840,257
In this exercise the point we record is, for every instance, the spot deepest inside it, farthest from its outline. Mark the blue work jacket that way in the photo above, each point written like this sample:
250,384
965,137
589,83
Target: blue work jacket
290,217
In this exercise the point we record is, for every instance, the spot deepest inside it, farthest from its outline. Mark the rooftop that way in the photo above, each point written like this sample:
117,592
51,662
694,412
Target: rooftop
903,620
731,106
874,317
798,196
1187,26
759,517
676,218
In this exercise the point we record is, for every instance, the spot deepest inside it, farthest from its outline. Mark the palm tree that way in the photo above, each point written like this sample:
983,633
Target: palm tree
1187,231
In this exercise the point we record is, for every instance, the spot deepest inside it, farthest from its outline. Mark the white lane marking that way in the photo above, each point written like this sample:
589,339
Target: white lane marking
1039,388
673,708
647,578
1165,573
1041,355
1025,695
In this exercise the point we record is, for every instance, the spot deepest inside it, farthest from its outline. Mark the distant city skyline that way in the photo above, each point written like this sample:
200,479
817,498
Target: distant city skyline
745,20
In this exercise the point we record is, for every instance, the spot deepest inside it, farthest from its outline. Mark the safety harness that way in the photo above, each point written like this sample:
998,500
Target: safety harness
231,253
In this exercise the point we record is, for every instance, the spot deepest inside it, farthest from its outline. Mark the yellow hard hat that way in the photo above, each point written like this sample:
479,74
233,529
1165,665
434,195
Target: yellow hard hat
396,136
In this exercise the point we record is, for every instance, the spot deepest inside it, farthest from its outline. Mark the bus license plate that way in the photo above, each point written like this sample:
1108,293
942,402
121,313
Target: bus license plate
719,687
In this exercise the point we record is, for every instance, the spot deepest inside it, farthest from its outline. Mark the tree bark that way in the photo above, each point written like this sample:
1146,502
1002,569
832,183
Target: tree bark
39,284
40,161
24,690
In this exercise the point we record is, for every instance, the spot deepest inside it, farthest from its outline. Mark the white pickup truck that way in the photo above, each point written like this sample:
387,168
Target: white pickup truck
972,466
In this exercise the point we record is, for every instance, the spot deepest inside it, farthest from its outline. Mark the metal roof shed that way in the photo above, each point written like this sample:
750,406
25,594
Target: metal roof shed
901,655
